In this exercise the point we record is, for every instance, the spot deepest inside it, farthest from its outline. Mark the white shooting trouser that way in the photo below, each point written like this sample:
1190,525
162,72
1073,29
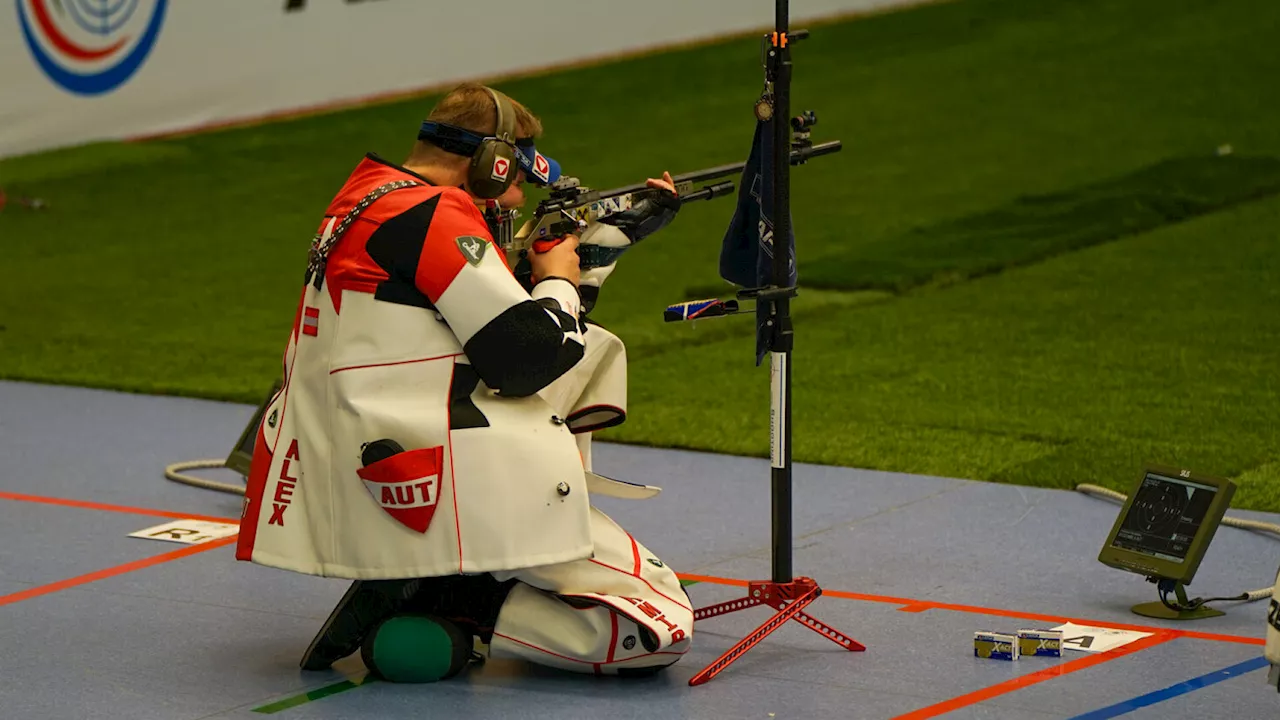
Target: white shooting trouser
628,609
1273,635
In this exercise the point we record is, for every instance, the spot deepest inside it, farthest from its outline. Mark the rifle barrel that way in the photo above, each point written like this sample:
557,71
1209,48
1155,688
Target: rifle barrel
709,192
797,157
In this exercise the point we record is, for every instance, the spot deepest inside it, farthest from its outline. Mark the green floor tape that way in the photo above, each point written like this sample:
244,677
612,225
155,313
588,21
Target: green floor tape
318,694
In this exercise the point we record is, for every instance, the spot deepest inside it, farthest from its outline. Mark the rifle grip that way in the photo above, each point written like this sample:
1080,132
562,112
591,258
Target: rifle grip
557,231
541,246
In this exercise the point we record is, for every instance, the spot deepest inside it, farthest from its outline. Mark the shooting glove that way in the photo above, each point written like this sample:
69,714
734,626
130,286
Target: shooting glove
604,241
646,216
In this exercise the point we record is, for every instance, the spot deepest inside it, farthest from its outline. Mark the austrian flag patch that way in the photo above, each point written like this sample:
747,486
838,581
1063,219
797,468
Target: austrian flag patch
407,485
310,321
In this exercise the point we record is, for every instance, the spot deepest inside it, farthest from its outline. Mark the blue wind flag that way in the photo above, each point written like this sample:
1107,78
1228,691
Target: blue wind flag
746,256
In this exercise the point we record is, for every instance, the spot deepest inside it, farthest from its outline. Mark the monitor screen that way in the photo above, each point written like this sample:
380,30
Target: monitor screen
1165,516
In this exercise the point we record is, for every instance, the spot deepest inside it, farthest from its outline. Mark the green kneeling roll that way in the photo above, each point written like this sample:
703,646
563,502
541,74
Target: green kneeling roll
416,649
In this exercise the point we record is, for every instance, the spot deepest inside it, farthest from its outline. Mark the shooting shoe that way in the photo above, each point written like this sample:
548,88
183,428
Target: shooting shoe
365,604
471,602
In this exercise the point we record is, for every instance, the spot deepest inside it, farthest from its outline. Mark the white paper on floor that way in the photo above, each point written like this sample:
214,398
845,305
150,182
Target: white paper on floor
188,532
1087,638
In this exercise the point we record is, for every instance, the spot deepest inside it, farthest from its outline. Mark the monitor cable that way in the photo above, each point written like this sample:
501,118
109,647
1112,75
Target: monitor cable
175,472
1167,586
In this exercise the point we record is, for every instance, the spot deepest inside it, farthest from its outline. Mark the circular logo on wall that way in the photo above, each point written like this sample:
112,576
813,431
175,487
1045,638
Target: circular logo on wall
90,47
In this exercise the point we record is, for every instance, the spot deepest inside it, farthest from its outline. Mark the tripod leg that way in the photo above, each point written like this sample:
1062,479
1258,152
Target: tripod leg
830,633
754,638
725,608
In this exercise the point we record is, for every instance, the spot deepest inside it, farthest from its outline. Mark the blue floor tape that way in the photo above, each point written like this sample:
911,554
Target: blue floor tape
1173,691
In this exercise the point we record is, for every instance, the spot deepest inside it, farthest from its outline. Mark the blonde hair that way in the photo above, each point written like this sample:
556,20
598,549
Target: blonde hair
470,106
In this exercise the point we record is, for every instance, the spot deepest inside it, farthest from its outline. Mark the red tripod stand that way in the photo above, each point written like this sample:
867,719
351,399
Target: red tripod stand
787,595
789,600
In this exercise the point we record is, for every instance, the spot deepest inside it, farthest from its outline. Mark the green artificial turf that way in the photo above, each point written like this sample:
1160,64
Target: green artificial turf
1033,228
1159,348
173,266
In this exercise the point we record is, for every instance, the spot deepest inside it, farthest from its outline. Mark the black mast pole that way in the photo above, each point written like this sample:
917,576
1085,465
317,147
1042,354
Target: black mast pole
786,594
781,344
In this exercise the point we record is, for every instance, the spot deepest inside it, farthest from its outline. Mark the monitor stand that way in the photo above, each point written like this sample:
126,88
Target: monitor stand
1164,612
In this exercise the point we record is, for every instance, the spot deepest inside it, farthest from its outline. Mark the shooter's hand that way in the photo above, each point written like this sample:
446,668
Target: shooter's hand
560,261
666,183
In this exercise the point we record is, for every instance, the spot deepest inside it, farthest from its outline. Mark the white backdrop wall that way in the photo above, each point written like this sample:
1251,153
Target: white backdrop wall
74,71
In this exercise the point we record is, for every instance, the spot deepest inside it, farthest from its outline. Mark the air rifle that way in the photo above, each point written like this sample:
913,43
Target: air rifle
571,207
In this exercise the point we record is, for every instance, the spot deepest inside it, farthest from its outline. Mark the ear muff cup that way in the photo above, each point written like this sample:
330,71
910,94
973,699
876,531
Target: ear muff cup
493,167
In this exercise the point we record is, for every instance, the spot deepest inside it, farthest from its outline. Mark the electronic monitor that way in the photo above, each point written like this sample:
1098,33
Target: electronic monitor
1166,523
241,456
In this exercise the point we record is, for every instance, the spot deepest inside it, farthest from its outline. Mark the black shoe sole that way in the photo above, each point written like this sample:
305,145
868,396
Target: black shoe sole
365,604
